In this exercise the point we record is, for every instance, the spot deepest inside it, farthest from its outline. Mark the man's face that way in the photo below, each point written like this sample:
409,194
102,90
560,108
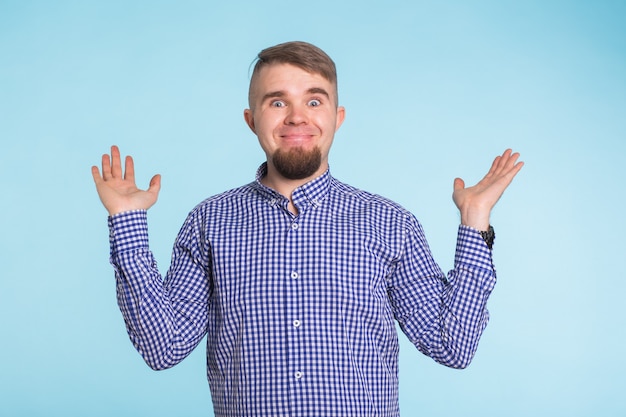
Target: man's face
294,114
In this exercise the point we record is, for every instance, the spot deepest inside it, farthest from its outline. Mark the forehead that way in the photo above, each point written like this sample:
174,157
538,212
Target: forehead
288,79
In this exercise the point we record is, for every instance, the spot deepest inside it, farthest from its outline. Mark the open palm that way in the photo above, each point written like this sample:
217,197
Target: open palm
475,203
117,189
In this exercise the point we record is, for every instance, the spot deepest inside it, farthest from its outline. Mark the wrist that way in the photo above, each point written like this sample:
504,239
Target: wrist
478,220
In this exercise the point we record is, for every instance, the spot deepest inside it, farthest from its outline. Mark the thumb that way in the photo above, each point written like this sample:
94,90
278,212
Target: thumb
459,184
155,184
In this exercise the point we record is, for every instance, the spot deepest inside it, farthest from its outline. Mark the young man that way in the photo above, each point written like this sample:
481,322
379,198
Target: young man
297,278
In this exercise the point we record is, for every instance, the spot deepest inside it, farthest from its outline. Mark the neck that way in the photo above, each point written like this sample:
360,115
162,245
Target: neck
285,186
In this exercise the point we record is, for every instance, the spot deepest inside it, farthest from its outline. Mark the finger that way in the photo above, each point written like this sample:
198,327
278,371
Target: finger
116,162
511,162
495,166
106,167
129,169
504,163
503,166
516,168
507,176
504,158
95,173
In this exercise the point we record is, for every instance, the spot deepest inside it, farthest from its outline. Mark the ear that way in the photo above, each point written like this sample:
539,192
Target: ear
341,115
248,116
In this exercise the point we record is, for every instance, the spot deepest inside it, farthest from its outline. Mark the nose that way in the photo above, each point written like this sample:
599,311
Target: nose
296,115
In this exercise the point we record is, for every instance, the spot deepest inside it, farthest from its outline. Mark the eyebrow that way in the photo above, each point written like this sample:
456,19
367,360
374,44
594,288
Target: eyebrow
280,93
273,94
318,90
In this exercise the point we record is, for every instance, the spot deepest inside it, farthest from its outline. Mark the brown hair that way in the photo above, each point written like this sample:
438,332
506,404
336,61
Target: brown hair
300,54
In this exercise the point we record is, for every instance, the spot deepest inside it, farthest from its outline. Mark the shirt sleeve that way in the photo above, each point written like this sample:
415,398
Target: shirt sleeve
444,317
165,319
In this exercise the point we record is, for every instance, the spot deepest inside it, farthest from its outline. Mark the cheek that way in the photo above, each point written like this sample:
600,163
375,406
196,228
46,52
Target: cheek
330,125
265,133
267,123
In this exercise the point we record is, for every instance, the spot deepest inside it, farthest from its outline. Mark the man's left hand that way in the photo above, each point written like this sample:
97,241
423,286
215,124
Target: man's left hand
475,203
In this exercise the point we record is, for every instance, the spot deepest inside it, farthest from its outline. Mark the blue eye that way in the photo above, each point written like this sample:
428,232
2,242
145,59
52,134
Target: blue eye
314,103
277,103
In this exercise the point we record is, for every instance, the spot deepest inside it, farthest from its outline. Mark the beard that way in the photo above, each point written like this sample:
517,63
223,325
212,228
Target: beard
297,163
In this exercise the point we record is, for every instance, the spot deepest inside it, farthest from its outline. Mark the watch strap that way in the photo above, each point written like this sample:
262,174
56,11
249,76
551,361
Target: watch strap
488,236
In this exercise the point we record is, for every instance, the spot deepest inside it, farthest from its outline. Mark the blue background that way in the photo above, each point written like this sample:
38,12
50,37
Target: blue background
433,90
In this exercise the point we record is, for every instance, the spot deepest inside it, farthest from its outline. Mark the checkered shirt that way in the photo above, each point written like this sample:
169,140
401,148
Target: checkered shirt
300,310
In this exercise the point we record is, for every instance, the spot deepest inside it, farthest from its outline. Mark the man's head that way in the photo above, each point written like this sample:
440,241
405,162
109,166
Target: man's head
303,55
293,109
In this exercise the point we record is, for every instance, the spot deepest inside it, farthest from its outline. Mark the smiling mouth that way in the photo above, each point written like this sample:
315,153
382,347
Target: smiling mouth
297,137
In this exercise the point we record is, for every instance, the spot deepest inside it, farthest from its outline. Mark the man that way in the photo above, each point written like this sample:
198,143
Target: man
297,278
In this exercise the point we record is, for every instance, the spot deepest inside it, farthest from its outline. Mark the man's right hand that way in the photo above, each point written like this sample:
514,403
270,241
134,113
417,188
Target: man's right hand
117,189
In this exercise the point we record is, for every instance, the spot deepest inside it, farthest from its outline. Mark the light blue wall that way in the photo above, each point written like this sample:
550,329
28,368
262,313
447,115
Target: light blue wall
433,90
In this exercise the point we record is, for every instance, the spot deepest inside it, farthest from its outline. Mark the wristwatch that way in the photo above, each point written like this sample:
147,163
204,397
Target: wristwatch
488,236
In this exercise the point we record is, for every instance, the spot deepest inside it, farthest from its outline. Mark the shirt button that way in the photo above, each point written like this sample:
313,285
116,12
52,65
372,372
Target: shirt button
294,226
298,374
294,275
296,323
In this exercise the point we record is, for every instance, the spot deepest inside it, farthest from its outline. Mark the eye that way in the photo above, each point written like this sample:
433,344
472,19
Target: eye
314,103
277,103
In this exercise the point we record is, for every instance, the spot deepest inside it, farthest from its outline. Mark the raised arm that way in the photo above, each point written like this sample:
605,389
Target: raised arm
475,203
117,189
445,316
165,319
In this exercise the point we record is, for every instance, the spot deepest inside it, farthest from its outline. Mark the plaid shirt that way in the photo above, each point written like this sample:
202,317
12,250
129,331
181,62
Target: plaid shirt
300,310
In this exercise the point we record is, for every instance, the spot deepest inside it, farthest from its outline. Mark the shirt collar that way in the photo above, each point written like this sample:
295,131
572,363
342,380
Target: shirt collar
313,193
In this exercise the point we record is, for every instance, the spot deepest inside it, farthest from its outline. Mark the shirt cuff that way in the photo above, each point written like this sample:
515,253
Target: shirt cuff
128,231
471,249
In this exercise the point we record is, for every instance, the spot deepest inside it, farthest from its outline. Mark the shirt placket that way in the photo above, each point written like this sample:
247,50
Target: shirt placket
293,313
